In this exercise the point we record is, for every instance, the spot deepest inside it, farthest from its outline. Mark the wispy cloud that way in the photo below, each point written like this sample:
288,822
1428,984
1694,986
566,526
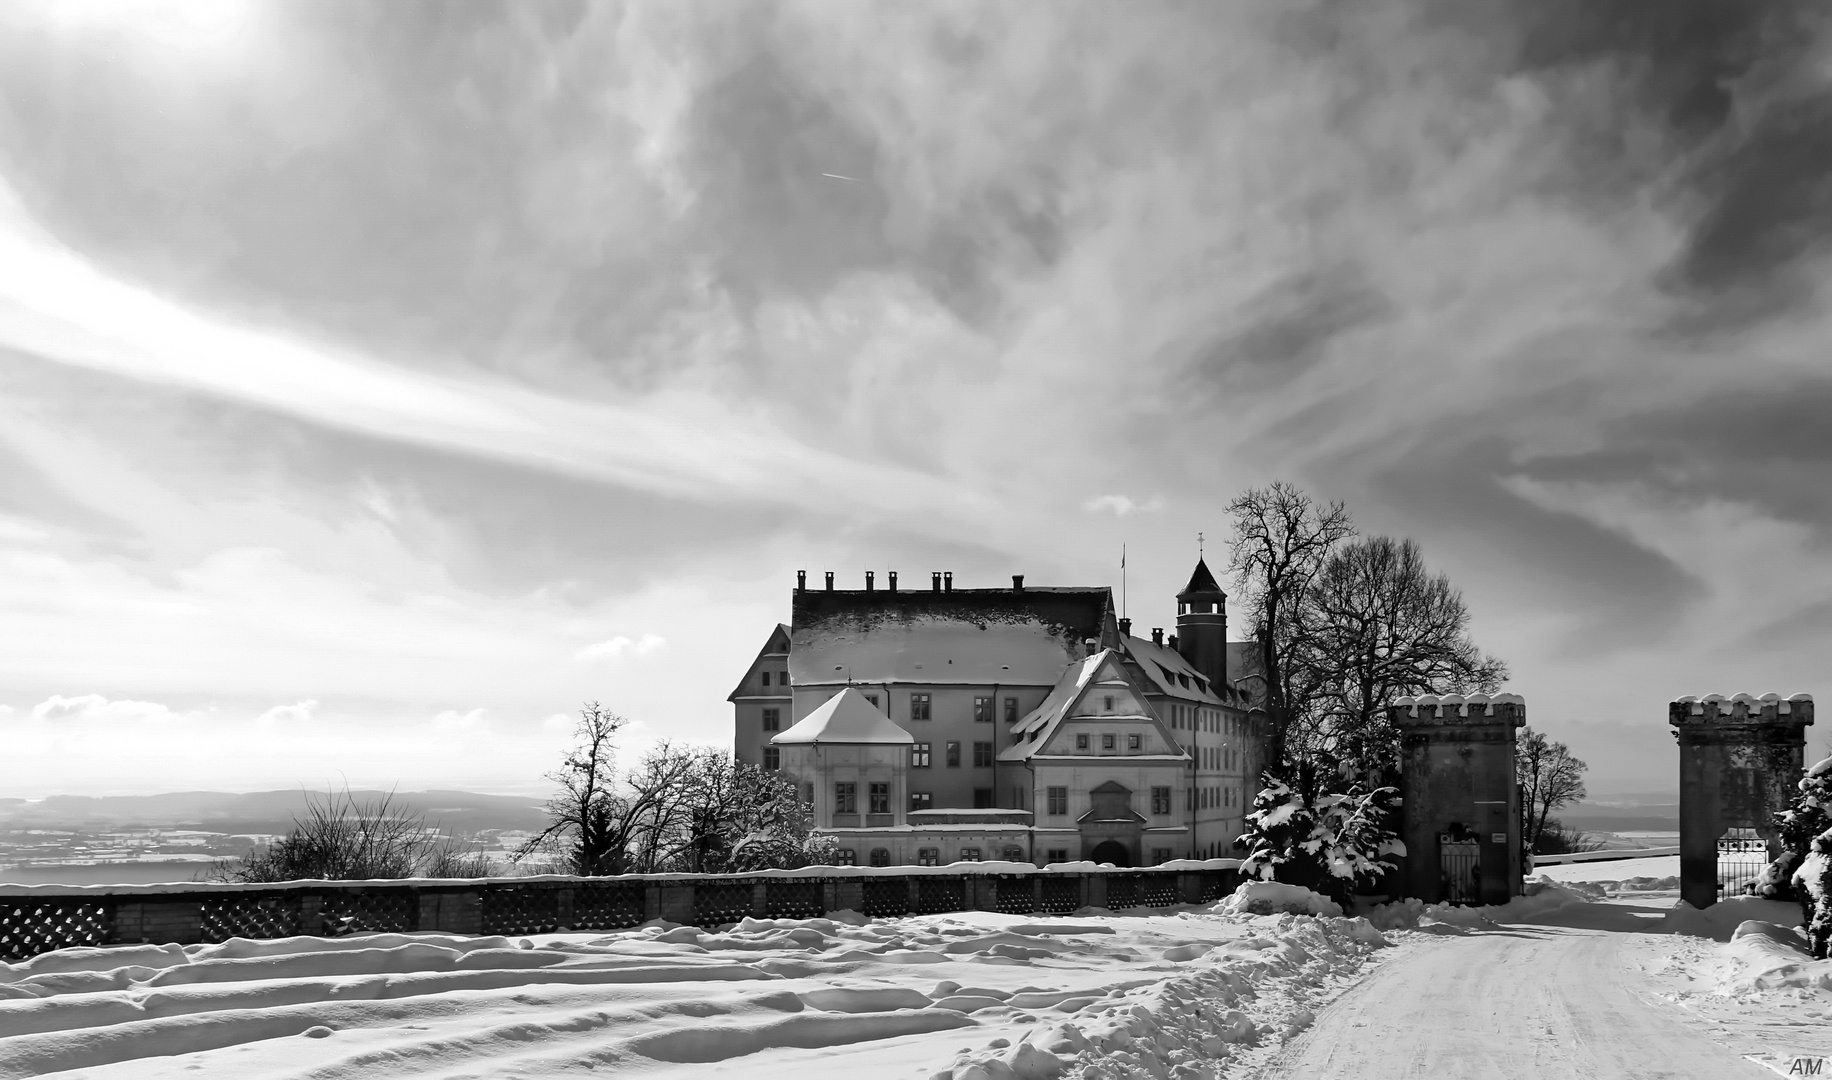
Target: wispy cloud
1121,505
618,647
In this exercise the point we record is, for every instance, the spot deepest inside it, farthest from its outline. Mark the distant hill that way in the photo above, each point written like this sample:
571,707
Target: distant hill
1596,817
258,811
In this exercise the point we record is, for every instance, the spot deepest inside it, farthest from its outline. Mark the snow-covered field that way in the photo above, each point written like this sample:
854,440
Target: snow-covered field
973,994
1190,993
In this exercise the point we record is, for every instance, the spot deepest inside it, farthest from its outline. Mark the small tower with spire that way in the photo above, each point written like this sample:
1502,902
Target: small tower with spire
1202,625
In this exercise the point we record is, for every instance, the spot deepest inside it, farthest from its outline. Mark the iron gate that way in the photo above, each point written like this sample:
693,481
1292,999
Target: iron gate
1741,856
1460,869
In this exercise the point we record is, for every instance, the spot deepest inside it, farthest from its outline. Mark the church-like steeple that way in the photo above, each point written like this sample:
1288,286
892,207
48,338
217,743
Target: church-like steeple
1202,626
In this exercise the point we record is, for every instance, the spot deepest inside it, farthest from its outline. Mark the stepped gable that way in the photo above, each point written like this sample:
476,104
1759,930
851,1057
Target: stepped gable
848,719
1018,636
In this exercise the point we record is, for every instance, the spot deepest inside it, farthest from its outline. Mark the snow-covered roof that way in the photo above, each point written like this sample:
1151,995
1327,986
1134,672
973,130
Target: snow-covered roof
981,637
1034,730
846,718
1168,672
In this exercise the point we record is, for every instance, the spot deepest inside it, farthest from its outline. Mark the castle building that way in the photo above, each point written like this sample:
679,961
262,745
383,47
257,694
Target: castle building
941,724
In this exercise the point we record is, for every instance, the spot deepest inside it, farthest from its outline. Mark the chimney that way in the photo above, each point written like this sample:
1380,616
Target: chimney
935,581
947,581
1017,583
1125,627
829,581
1157,635
1091,645
1173,642
892,575
801,581
868,586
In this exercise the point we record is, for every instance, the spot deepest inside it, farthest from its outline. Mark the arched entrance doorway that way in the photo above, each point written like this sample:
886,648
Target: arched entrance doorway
1111,851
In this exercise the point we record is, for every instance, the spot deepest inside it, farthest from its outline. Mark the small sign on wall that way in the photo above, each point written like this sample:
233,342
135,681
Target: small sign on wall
1499,838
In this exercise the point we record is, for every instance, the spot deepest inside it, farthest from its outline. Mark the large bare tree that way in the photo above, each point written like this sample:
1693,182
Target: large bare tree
1373,626
1282,539
1549,777
581,819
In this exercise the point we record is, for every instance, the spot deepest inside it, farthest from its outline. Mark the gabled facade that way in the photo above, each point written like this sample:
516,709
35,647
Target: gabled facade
1105,773
763,702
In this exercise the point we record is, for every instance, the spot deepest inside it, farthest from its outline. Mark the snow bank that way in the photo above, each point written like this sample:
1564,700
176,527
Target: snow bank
1270,897
1719,922
1546,896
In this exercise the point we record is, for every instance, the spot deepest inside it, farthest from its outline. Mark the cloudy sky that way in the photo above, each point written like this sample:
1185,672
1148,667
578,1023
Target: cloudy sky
379,381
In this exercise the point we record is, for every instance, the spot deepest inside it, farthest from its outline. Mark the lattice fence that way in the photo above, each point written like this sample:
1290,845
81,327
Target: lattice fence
794,898
389,912
716,903
1061,895
886,898
608,907
1014,896
935,895
1122,891
523,910
247,915
1216,885
30,927
1159,890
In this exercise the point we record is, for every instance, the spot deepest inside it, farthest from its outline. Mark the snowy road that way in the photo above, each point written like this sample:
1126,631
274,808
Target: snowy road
1520,1003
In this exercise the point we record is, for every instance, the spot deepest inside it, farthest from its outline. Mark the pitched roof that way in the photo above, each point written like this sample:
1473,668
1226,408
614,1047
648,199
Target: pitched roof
1036,728
1200,582
976,636
1167,672
846,718
782,629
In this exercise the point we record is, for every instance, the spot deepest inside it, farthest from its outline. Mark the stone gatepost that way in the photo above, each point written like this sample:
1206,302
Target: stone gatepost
1740,762
1460,817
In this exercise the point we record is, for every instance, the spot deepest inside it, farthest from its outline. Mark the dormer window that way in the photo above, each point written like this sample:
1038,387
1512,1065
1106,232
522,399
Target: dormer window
766,678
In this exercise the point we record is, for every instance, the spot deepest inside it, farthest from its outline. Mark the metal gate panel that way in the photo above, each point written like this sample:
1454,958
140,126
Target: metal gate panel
1460,870
1741,856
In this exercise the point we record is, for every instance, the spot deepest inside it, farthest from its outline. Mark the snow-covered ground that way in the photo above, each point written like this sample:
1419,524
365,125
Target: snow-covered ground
975,994
1570,981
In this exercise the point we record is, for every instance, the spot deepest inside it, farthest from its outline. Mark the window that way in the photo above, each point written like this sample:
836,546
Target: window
982,798
919,756
1011,710
921,800
772,719
1160,800
873,698
1012,853
970,854
1133,742
1081,741
766,678
1059,800
954,755
1160,855
928,856
919,706
845,798
1056,854
880,799
1107,705
1107,741
782,678
772,758
982,755
982,710
880,856
845,857
1189,798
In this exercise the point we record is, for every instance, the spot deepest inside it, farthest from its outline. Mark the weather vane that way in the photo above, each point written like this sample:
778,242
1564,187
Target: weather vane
1199,546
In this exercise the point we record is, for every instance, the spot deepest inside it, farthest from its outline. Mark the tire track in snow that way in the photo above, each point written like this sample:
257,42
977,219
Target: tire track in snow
1523,1003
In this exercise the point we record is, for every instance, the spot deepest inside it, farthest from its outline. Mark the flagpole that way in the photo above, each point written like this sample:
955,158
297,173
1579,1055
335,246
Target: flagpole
1122,581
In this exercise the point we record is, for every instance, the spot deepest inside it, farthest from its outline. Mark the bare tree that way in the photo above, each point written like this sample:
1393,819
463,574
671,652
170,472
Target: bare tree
1282,538
1373,626
341,838
1549,777
580,820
